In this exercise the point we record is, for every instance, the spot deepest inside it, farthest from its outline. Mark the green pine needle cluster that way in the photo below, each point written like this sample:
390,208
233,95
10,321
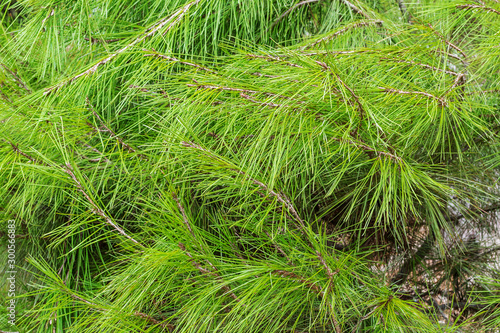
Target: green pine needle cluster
252,166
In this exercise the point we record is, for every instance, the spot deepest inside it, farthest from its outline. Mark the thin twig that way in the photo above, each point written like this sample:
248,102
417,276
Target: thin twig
142,315
173,19
95,208
355,9
341,31
329,272
448,42
273,58
361,110
50,15
423,65
371,151
105,128
163,56
314,287
440,100
281,197
20,152
20,83
224,287
95,150
248,91
289,10
459,81
293,276
488,9
280,250
97,40
272,105
183,212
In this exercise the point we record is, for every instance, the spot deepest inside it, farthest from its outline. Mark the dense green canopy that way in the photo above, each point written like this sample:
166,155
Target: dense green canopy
252,166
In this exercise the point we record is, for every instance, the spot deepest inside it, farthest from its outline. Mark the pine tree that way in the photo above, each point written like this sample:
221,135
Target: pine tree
252,166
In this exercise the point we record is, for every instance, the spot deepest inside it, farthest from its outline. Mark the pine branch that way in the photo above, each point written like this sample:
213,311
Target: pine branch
312,286
184,217
329,272
105,128
16,149
214,273
423,65
447,42
369,150
163,56
171,21
472,7
273,58
281,197
248,91
341,31
440,100
95,208
18,80
355,9
272,105
97,40
139,314
95,150
291,9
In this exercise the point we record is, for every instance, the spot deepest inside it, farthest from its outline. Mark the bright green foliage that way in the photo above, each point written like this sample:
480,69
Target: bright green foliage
252,166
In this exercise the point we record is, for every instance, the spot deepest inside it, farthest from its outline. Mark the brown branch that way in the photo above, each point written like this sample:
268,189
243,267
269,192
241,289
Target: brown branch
281,197
454,56
280,250
289,10
314,287
341,31
183,212
488,9
272,58
272,105
170,327
423,65
264,75
97,40
95,150
477,210
225,288
308,54
293,276
16,149
163,56
20,83
248,91
355,9
142,315
49,16
440,100
370,151
105,128
329,272
448,42
361,110
95,208
459,81
173,19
